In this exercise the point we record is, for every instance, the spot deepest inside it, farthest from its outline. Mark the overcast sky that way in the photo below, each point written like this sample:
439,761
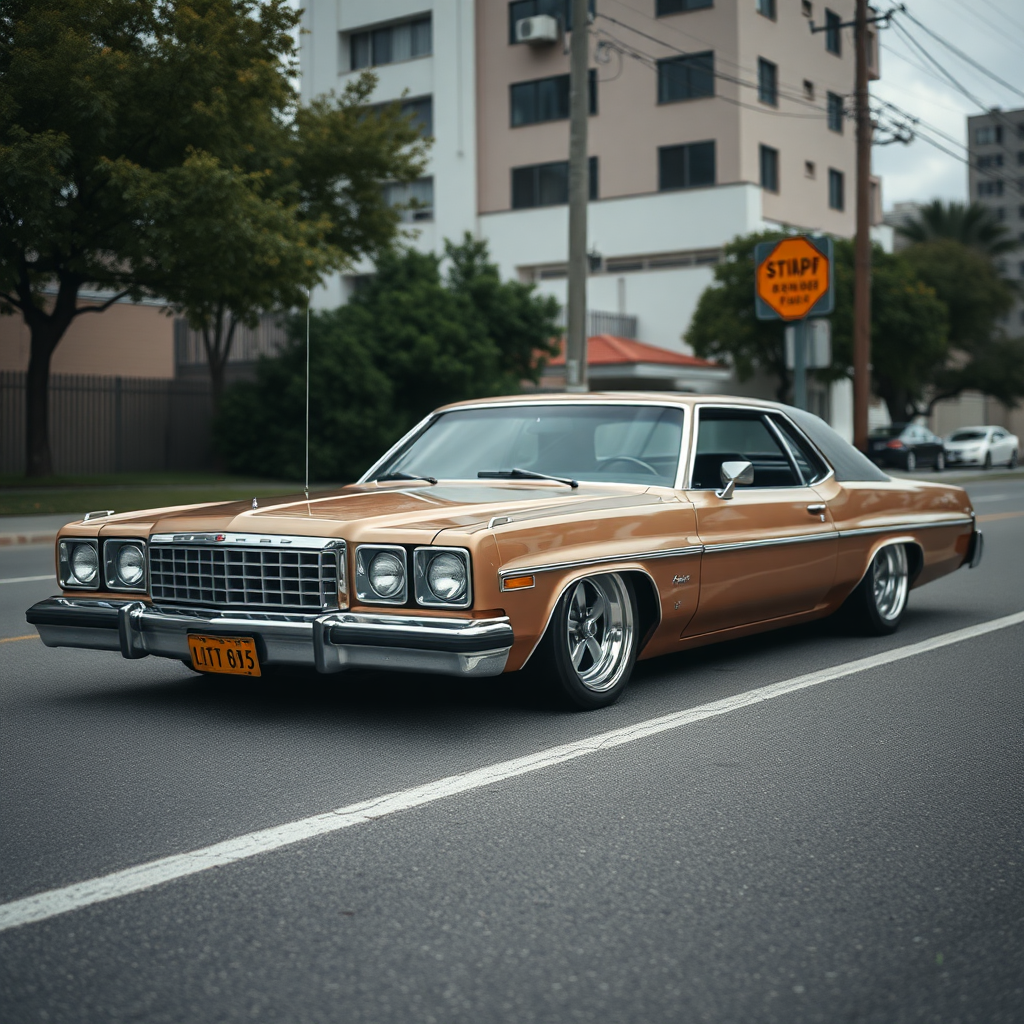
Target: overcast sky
989,31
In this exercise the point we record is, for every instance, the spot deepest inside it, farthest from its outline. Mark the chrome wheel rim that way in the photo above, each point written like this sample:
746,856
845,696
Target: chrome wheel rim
889,581
599,631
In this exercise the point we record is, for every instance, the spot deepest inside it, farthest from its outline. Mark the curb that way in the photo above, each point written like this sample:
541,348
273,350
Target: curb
10,539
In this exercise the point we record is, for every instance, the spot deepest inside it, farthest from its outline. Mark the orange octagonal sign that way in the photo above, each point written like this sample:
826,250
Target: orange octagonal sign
793,278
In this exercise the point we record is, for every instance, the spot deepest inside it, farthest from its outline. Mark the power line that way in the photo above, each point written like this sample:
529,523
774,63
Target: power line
924,70
1004,15
959,9
960,53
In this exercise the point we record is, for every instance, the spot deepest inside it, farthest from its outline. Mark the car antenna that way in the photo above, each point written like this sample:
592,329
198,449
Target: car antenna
306,488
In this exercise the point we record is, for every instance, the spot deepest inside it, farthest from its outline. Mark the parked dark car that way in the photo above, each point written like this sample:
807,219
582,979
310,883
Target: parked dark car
906,446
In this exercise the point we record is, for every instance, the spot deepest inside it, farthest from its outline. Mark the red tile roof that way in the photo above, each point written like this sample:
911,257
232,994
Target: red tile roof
609,350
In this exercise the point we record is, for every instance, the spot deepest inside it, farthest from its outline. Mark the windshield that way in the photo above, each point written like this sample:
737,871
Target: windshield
968,435
602,443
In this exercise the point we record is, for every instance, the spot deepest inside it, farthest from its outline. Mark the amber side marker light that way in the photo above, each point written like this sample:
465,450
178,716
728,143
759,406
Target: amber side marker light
518,583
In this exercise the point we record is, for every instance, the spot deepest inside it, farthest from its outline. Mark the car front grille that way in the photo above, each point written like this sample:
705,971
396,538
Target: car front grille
245,577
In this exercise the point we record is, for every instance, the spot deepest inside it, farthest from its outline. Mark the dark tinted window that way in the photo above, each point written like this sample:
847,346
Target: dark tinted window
686,78
811,467
729,435
688,166
678,6
546,184
769,169
848,463
545,99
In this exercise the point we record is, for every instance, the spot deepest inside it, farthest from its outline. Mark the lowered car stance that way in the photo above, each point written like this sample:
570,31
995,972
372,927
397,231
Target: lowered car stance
569,535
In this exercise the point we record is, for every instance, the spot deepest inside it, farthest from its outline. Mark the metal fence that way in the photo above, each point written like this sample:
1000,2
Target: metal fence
622,325
112,424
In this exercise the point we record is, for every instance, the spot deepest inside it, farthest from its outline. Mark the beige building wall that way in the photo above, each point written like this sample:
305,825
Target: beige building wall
631,125
126,340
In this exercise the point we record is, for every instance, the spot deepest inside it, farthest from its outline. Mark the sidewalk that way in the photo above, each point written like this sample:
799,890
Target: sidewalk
32,529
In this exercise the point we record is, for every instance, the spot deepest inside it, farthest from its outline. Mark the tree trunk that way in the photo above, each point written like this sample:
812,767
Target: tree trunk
45,330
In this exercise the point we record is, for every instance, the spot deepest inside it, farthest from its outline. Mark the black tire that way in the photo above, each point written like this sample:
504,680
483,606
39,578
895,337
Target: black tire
911,462
586,658
940,462
877,606
988,461
1012,464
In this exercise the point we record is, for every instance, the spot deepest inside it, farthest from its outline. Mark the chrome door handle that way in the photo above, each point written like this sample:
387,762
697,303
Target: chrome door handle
817,510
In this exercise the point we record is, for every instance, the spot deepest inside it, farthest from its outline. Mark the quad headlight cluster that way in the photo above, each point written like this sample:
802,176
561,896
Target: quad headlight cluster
123,565
441,576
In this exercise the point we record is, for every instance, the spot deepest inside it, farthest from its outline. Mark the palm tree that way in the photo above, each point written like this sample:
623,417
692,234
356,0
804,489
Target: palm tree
972,225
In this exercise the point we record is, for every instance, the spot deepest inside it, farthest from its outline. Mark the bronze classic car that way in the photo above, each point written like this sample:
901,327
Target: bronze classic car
569,533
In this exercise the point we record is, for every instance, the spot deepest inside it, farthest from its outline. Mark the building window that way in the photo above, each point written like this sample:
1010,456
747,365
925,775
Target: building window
689,166
547,184
421,110
767,82
1020,157
545,99
391,44
1000,213
808,89
833,39
809,169
686,78
990,188
769,169
1020,212
663,7
767,8
836,200
988,134
991,160
836,112
416,199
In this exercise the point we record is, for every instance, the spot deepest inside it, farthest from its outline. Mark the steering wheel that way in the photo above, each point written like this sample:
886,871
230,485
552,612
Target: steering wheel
628,458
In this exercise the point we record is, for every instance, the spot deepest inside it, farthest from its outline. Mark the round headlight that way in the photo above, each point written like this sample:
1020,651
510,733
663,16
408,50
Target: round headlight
131,564
386,574
85,563
446,577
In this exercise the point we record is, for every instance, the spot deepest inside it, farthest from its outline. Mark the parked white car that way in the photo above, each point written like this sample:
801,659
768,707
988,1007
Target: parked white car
982,446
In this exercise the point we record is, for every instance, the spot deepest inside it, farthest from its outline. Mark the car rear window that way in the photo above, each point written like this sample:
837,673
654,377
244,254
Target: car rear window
848,463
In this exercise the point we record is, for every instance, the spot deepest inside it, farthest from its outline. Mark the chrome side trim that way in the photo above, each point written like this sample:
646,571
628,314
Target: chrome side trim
606,560
252,539
803,538
865,530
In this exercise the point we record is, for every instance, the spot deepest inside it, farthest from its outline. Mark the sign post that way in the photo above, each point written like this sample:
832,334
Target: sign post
793,281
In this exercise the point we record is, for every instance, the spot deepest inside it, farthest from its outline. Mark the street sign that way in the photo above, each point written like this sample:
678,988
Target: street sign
793,278
817,344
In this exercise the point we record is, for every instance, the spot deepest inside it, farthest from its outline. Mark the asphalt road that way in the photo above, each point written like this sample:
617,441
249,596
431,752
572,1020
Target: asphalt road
853,851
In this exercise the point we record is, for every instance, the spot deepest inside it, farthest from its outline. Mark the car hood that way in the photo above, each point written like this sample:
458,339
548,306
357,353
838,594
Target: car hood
465,505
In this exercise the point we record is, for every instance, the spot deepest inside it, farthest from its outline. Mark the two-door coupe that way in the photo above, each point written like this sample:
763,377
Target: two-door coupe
571,533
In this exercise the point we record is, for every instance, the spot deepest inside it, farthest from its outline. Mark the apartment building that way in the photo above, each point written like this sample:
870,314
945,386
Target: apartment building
995,178
708,119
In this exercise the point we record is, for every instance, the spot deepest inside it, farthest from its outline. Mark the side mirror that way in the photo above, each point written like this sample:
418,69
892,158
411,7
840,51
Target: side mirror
734,473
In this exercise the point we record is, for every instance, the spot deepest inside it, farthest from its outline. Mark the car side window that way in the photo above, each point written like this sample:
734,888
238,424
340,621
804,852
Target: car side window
812,467
733,435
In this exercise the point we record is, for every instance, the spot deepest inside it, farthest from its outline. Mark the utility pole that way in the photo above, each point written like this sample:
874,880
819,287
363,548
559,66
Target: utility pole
862,243
579,95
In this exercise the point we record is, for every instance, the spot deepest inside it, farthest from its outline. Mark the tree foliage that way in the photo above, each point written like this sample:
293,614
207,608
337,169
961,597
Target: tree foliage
908,328
156,146
973,225
412,339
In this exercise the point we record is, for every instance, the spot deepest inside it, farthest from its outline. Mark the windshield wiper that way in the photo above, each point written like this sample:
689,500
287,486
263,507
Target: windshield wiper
524,474
406,476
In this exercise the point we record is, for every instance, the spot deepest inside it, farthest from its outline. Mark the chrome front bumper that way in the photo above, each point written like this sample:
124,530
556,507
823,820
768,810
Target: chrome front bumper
329,643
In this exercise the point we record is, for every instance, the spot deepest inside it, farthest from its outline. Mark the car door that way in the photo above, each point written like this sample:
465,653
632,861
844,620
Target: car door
1000,446
769,551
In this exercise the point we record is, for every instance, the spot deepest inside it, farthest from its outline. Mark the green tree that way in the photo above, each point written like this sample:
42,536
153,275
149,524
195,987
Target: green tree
908,329
973,225
410,340
155,146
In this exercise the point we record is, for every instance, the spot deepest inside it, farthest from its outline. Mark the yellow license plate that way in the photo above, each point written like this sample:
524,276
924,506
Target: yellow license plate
235,655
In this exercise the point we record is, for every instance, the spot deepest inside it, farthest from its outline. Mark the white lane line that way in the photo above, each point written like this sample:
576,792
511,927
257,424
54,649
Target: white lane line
29,579
993,497
144,876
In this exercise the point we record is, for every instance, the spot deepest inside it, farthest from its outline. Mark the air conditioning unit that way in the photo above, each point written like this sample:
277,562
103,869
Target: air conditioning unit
537,31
